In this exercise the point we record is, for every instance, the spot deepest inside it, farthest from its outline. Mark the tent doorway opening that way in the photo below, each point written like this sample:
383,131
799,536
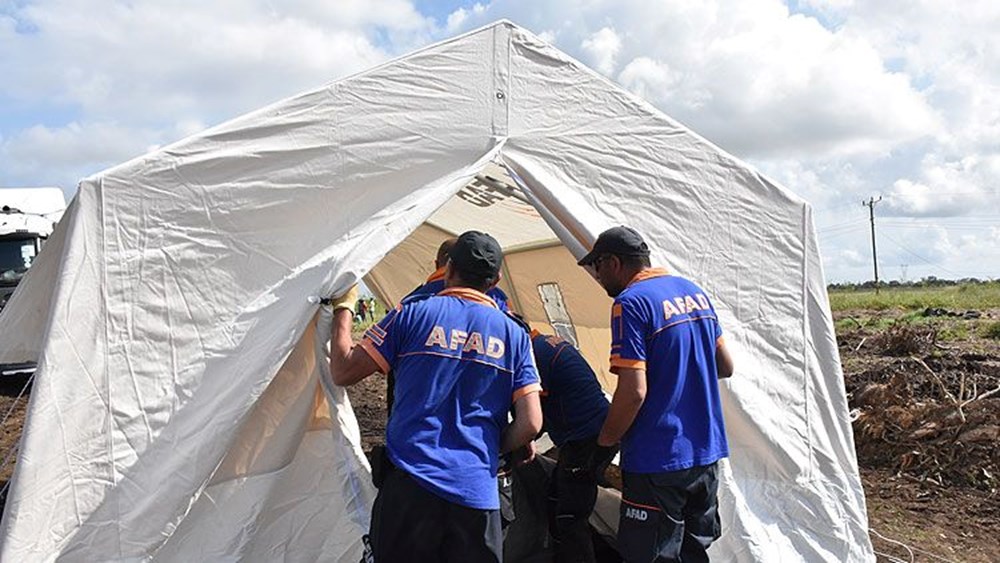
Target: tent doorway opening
545,285
539,275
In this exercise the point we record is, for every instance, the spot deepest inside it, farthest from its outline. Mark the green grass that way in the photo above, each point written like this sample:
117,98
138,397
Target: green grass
954,331
991,330
954,298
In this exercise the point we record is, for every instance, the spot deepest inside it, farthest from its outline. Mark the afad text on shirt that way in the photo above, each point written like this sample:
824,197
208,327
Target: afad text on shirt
468,342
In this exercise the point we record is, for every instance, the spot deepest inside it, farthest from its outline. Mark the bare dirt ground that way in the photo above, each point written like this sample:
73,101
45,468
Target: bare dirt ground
927,427
927,399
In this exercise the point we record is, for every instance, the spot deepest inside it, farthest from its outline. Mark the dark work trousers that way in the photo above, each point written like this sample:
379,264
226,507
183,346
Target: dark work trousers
572,494
505,488
668,517
412,524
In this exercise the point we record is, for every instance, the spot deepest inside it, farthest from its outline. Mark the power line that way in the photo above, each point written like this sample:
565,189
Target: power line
920,257
871,215
843,227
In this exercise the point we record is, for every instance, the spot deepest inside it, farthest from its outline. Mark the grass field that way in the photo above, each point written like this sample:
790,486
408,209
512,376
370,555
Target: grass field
958,298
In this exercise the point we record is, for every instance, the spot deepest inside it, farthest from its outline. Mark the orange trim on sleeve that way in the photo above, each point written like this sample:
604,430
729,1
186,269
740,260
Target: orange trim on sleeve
648,273
369,347
534,333
719,342
628,364
526,390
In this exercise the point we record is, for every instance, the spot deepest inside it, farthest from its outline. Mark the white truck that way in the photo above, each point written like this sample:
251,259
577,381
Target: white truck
27,218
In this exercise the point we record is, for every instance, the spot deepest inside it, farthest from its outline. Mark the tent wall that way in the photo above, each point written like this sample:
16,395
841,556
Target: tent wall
588,306
407,265
595,156
181,290
184,286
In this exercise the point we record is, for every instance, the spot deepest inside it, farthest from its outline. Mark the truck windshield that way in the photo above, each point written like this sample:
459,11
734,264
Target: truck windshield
16,256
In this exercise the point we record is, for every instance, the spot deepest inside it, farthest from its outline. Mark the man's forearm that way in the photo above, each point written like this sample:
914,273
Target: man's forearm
620,417
348,365
514,436
625,405
340,338
527,423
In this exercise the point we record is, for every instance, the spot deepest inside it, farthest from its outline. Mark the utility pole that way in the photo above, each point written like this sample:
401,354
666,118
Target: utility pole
870,204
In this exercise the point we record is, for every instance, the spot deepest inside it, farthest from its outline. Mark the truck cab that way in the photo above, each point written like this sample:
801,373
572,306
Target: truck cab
17,251
27,218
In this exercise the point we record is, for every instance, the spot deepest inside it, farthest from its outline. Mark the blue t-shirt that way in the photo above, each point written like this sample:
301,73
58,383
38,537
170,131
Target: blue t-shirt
666,325
435,285
459,364
573,404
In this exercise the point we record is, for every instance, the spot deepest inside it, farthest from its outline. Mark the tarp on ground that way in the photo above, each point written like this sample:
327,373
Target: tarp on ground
177,415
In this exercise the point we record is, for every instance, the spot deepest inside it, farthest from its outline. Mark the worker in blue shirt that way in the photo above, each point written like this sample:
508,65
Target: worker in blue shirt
459,364
574,408
434,284
669,354
436,281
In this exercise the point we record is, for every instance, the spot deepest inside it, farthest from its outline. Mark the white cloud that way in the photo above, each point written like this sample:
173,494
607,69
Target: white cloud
957,187
62,155
836,99
647,77
602,48
144,61
457,18
748,75
130,76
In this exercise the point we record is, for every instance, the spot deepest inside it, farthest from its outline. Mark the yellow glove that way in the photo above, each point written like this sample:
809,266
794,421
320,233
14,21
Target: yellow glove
345,300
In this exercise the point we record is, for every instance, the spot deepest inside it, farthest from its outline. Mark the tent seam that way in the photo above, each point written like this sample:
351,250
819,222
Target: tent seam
807,369
507,106
102,209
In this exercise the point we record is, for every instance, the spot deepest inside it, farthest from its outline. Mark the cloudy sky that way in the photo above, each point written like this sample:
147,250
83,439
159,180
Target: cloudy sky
837,100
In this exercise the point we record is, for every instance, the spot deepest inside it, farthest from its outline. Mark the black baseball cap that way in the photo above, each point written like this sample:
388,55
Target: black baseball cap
620,241
476,253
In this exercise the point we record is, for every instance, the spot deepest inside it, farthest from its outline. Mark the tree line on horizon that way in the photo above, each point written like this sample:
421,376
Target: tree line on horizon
925,282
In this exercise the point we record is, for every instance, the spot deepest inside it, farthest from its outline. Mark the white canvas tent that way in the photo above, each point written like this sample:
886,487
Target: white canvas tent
176,414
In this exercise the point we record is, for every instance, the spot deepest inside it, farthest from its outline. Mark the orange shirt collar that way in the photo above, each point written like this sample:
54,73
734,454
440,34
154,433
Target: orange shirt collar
437,275
469,294
648,273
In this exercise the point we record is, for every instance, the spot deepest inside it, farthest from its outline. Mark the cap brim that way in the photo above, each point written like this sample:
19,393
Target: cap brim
589,259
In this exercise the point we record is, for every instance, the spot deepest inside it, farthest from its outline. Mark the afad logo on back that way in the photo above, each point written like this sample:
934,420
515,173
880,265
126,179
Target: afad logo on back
635,513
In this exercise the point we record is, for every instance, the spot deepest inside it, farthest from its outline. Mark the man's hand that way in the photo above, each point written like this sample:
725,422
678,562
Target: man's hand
346,300
348,364
525,454
599,461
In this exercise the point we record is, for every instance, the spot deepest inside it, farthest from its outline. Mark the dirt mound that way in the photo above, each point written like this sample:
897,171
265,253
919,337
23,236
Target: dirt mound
930,413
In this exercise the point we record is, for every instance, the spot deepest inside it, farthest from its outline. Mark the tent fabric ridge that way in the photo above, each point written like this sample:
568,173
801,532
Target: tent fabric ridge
98,192
501,98
807,366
